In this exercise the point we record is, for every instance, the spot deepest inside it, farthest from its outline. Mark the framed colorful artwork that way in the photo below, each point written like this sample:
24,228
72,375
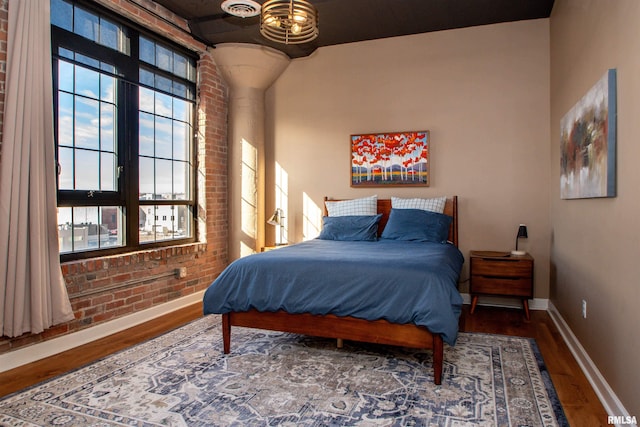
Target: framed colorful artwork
390,159
588,143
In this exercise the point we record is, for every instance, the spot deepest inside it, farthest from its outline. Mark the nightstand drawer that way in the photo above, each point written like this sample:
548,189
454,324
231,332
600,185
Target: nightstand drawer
501,286
502,276
501,268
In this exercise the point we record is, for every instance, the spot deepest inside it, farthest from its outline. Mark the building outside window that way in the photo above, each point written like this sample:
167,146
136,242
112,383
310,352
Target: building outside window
124,102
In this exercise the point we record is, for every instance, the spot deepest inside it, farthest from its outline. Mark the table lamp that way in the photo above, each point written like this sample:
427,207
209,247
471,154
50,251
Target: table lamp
522,233
277,220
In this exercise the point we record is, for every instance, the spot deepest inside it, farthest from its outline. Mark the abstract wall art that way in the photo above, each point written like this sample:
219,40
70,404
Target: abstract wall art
588,143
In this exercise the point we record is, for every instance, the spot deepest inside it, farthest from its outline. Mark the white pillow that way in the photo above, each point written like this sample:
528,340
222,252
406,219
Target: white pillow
435,204
362,206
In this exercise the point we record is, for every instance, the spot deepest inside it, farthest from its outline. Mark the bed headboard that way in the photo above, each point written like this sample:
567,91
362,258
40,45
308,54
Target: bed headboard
384,207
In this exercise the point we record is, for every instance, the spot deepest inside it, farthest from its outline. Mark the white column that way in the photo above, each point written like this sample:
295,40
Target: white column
248,70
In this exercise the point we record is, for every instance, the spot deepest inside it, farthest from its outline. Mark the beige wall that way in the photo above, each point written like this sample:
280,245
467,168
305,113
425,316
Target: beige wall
483,93
596,242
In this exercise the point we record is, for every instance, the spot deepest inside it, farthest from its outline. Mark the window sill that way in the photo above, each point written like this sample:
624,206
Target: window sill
131,258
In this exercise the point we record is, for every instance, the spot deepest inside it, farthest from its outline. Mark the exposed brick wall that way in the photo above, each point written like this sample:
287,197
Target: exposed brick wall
155,17
103,289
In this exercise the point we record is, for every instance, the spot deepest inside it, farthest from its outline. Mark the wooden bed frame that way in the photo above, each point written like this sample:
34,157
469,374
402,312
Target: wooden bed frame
350,328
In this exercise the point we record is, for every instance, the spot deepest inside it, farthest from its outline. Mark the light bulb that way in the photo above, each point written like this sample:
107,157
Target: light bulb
272,21
300,17
296,28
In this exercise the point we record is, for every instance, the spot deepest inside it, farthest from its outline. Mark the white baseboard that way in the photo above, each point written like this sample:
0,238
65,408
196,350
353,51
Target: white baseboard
35,352
605,393
534,304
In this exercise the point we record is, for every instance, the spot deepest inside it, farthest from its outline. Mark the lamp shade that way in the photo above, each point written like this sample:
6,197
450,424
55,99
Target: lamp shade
276,218
522,231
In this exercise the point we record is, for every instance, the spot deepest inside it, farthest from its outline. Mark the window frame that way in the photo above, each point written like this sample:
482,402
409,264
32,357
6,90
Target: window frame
126,194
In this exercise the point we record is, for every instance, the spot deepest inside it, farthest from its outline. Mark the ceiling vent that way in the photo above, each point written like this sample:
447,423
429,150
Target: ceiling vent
241,8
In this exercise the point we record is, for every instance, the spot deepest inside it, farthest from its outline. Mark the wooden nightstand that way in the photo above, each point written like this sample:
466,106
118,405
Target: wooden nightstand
509,276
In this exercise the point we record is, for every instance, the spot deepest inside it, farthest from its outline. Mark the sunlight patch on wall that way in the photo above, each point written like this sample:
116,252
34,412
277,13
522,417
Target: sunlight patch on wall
246,250
312,218
249,177
282,202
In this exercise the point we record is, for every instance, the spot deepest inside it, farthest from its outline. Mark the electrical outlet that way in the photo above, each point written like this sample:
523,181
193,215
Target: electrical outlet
180,273
584,309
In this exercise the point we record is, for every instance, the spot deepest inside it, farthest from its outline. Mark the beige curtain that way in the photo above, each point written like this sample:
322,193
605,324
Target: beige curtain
33,295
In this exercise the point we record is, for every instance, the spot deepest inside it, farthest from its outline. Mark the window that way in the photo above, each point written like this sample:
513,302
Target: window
124,121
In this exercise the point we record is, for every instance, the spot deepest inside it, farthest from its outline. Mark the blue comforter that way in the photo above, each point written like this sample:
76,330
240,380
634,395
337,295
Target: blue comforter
400,281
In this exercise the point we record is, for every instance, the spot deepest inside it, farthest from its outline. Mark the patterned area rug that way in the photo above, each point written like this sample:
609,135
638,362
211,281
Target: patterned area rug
183,379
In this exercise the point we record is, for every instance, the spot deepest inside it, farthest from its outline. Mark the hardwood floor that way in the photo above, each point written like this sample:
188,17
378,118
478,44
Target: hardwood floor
33,373
580,403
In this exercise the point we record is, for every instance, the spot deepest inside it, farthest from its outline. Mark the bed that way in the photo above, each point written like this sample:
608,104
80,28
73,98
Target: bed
326,288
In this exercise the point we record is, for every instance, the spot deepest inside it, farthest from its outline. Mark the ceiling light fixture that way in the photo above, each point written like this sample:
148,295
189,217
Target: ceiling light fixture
241,8
289,21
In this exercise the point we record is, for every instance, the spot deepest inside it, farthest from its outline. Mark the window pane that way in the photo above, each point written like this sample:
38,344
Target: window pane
87,168
108,68
180,141
146,100
147,51
179,89
107,88
180,65
65,160
113,220
163,138
183,222
163,104
145,136
85,228
164,182
87,133
87,82
164,58
107,127
65,76
180,181
62,14
108,172
163,83
86,24
65,53
147,223
181,110
147,175
160,222
90,228
109,34
65,240
147,77
65,119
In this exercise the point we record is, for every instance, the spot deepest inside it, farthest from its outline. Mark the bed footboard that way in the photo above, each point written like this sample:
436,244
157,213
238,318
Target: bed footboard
330,326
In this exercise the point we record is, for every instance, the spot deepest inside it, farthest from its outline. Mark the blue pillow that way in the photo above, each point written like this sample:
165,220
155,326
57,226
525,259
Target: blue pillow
350,228
417,225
